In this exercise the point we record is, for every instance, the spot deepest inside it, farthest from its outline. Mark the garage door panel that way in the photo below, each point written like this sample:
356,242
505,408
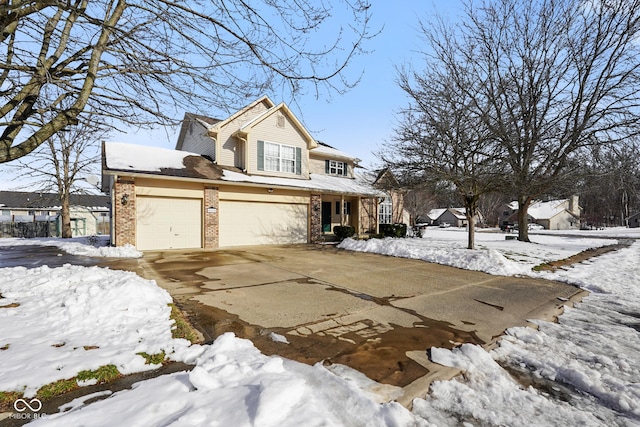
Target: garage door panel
168,223
258,223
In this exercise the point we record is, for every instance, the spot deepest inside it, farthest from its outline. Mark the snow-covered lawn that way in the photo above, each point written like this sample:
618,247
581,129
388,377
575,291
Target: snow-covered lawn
94,246
588,363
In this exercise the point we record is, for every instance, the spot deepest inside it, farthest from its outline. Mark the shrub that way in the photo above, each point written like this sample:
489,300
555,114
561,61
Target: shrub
344,231
393,230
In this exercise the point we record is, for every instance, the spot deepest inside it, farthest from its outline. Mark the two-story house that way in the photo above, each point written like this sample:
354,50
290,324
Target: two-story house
256,177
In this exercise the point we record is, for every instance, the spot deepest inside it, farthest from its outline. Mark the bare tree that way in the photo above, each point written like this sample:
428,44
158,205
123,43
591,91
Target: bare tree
66,158
557,78
440,139
136,62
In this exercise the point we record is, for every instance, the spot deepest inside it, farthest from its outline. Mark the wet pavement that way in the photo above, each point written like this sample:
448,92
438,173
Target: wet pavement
37,256
374,313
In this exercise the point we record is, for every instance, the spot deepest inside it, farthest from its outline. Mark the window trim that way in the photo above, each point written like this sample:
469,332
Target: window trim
296,159
385,211
341,170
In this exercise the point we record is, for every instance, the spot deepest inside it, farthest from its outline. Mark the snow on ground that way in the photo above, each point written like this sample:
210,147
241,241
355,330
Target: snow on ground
584,370
94,246
494,254
56,322
234,384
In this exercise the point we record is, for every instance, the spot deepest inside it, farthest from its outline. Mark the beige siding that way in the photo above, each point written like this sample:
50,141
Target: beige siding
263,195
317,165
231,149
196,140
268,130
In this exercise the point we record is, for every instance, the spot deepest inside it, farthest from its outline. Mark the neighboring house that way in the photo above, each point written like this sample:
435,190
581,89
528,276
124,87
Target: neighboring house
89,213
455,217
634,221
256,177
563,214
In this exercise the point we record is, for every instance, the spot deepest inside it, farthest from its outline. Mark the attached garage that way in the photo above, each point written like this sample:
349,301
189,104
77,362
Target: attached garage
168,223
262,223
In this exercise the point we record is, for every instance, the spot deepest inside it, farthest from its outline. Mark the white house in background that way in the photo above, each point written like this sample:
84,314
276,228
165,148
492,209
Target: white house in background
256,177
455,217
562,214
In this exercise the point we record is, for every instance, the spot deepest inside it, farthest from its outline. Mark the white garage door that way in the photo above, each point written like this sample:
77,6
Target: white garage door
168,223
258,223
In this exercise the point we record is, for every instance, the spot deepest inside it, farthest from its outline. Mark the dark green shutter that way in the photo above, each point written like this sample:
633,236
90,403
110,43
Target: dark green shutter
298,161
326,167
260,155
345,169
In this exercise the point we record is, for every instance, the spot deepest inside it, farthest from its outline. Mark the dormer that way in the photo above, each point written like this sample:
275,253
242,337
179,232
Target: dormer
326,160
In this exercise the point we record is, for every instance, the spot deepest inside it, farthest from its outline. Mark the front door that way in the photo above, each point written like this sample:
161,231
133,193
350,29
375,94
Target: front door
326,217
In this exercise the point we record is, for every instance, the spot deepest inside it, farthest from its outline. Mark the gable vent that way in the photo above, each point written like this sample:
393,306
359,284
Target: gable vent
280,121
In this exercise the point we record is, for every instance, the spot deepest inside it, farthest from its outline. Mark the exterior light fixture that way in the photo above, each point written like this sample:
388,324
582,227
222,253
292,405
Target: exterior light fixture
270,190
124,199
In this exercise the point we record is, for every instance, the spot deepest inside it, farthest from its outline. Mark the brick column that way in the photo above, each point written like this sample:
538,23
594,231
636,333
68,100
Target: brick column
211,221
124,208
315,220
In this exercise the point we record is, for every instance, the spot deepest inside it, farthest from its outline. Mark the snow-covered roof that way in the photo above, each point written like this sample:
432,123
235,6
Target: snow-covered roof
162,161
435,213
123,156
328,150
543,210
325,183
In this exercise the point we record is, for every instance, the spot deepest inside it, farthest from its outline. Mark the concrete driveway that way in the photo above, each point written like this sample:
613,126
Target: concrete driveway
375,313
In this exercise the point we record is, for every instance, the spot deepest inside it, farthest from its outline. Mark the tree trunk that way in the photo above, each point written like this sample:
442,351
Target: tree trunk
471,220
523,229
471,210
65,215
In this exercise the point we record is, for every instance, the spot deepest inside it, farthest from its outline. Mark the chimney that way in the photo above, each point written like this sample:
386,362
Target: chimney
574,207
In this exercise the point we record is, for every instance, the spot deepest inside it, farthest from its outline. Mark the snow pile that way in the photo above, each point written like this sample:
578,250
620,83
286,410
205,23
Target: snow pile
56,322
83,246
234,384
493,254
589,361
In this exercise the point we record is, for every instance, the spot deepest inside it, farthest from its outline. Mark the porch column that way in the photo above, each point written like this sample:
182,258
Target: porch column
315,218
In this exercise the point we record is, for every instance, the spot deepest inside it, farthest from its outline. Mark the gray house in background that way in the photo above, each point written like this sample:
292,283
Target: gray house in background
35,214
634,221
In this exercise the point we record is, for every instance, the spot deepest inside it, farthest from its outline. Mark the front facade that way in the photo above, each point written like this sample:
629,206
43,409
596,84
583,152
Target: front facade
257,177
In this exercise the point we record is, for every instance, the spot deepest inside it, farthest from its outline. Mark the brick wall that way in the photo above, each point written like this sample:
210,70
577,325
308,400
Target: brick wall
315,221
125,214
211,218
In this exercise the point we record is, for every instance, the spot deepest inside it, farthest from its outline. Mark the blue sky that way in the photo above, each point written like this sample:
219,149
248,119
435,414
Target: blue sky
360,121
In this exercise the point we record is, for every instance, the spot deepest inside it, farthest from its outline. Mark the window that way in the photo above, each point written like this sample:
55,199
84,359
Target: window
279,158
385,211
334,167
346,208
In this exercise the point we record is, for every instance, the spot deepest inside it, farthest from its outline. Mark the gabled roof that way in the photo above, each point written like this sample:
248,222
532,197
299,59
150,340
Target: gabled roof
436,213
386,179
265,99
283,108
36,200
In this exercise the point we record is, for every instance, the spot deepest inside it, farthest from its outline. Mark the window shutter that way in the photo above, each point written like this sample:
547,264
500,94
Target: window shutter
260,155
298,161
337,208
326,167
345,169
